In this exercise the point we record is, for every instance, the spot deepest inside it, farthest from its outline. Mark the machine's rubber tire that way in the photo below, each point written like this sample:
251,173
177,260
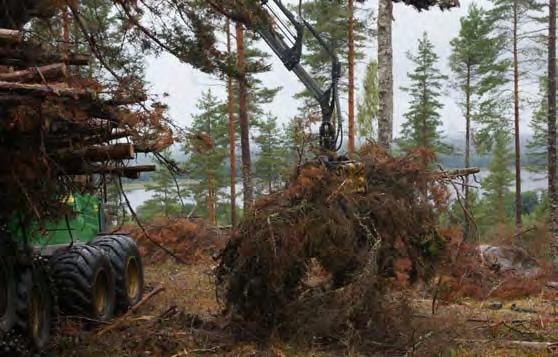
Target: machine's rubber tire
7,287
128,268
85,282
36,304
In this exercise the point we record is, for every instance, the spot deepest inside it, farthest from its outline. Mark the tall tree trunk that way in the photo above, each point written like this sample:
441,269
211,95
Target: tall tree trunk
243,120
65,29
501,214
211,216
466,229
210,179
552,194
351,61
232,159
385,74
516,122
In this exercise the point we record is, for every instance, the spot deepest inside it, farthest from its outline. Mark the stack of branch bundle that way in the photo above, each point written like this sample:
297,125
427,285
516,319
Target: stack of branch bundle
375,223
57,130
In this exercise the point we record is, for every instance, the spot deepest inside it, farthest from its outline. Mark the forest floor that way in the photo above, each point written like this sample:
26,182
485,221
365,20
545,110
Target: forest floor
183,320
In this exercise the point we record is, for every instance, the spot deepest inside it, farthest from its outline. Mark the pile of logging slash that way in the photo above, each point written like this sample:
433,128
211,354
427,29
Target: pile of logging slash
59,128
318,256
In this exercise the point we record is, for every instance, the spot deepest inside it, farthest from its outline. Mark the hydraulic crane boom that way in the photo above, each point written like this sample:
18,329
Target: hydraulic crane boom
287,45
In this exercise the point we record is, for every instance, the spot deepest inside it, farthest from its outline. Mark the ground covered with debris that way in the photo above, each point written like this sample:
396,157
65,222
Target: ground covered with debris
349,260
185,320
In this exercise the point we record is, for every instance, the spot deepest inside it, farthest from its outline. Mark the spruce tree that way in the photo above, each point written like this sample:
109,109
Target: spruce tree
165,199
298,139
422,125
207,151
497,184
538,143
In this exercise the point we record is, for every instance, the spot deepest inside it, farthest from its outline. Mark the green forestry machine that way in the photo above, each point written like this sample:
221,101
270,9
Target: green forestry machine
61,140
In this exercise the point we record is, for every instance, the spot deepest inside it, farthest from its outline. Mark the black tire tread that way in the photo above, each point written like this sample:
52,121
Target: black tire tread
7,259
35,275
74,271
118,249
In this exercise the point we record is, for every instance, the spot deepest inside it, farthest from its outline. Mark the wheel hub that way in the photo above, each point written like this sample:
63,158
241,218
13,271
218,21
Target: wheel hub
132,278
101,293
36,313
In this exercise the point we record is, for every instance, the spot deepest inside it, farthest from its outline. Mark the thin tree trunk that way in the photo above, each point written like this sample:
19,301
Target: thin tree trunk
466,229
385,74
552,194
501,215
351,61
66,32
210,198
232,159
243,120
516,124
210,180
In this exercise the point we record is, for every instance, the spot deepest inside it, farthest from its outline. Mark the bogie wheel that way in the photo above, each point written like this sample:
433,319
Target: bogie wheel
85,281
7,288
36,304
128,268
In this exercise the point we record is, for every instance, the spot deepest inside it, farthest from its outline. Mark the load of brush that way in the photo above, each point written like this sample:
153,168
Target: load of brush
59,127
328,245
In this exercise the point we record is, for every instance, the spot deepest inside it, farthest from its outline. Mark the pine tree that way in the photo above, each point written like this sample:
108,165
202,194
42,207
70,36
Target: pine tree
421,129
496,185
510,16
551,130
272,162
252,97
247,183
331,20
232,130
478,74
116,45
351,74
207,150
367,118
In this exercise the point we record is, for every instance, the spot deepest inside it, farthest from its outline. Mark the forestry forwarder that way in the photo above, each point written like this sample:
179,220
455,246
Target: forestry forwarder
60,139
74,267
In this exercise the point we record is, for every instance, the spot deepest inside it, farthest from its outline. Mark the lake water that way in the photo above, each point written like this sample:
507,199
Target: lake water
530,182
139,196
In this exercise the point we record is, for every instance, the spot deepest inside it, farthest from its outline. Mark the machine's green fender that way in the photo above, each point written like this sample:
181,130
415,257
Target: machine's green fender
82,226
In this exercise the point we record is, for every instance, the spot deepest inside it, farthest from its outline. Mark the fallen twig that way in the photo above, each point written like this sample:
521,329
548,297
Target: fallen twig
186,352
132,310
553,346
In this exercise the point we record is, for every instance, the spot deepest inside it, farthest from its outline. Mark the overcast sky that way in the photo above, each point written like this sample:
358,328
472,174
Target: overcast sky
184,84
